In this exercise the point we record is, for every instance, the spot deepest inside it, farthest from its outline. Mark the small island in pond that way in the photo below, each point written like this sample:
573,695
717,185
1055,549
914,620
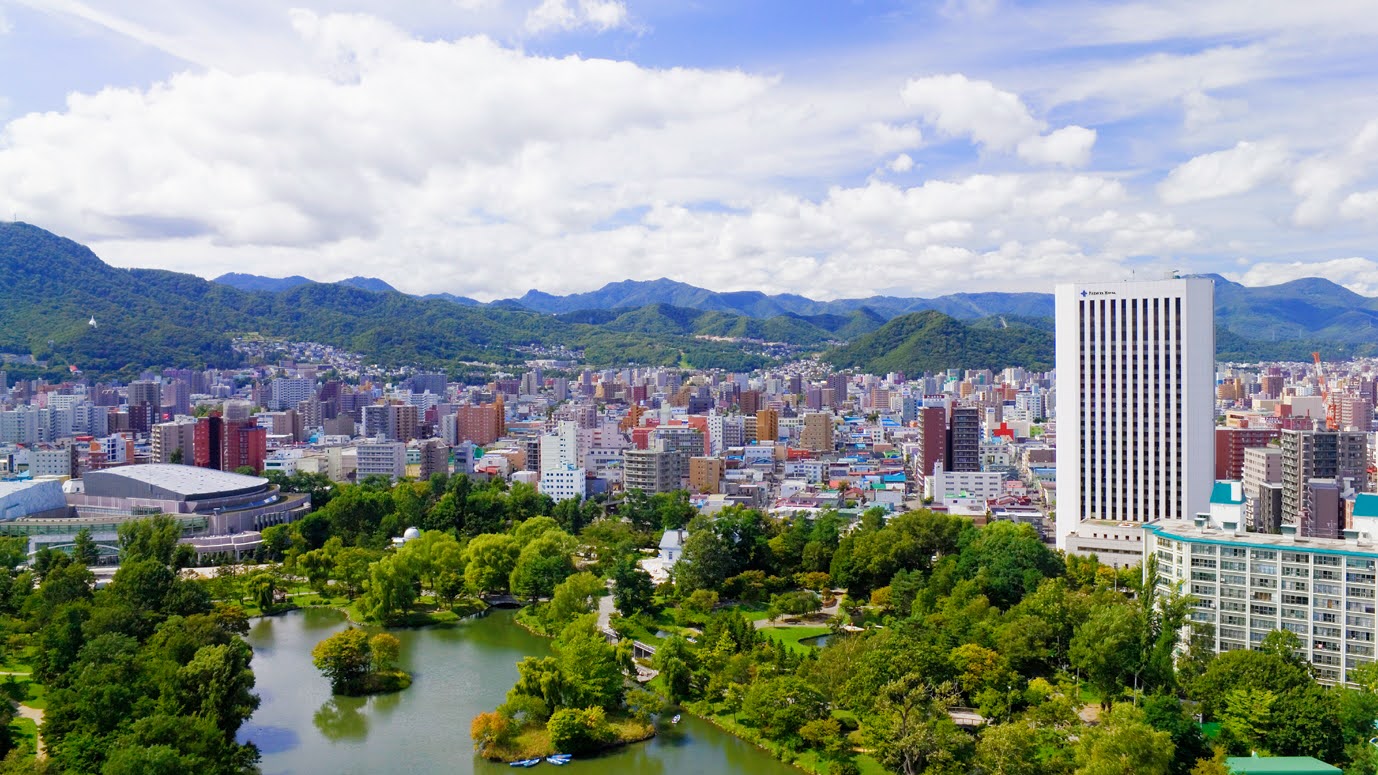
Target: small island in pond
574,702
358,665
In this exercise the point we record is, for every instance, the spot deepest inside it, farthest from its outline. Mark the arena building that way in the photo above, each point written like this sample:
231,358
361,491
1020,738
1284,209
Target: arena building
221,513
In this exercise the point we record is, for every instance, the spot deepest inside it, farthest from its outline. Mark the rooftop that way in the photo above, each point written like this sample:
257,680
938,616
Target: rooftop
1279,765
189,481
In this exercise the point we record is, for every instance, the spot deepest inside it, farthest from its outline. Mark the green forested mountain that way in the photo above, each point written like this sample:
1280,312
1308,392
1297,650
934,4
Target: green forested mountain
145,318
930,341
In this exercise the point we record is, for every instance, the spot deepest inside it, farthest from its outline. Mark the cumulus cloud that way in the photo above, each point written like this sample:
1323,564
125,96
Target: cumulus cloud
1322,179
998,120
1357,274
599,15
902,163
1360,204
1224,173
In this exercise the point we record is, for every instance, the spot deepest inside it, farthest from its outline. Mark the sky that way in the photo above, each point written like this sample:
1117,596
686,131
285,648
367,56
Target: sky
832,148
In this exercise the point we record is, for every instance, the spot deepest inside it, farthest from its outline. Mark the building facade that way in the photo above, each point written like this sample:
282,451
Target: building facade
1135,409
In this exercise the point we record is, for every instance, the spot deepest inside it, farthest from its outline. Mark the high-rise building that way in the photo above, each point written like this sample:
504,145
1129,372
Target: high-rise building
479,424
650,470
932,441
1230,445
382,458
1312,463
145,405
435,458
1135,410
174,442
287,392
1262,468
242,445
964,439
767,425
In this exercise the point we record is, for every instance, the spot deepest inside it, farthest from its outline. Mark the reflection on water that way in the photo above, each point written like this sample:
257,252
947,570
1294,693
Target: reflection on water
339,718
459,672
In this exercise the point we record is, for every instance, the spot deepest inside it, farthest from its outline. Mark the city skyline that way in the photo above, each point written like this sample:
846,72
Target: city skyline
485,147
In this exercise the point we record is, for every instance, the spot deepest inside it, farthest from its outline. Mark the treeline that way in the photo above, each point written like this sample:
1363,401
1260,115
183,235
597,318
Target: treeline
992,621
146,675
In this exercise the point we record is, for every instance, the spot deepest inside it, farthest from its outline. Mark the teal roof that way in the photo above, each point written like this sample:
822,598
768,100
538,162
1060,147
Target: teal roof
1279,765
1227,493
1366,505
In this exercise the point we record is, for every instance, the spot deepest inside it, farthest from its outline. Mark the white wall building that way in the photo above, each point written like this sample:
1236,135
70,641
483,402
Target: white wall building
1136,406
945,486
384,458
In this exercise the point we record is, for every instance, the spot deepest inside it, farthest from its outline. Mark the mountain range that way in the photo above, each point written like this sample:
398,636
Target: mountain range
1300,312
148,318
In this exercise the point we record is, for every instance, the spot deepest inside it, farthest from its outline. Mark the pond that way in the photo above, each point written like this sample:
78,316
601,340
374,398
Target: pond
459,672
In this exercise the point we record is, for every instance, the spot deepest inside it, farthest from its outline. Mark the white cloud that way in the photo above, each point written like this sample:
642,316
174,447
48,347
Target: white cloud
599,15
1357,274
902,163
1321,180
960,107
887,138
1360,204
5,27
1069,146
1224,173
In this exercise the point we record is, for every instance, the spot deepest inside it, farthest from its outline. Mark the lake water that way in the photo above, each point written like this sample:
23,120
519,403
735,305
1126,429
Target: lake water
458,673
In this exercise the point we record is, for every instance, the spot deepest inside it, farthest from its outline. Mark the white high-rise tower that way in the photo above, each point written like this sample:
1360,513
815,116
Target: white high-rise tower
1135,410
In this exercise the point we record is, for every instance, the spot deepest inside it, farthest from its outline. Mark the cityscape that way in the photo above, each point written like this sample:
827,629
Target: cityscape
912,387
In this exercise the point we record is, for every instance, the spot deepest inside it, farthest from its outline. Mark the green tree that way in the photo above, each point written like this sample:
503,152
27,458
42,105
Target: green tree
781,706
909,730
390,590
1106,648
84,548
491,558
544,562
572,598
1124,744
384,650
1007,559
344,658
217,684
579,730
633,591
675,661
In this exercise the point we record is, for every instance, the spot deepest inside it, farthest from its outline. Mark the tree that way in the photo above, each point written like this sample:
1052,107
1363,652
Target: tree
909,730
572,598
217,684
1124,744
84,548
579,730
344,658
674,661
491,558
543,563
489,730
384,649
632,591
390,590
1008,559
590,667
1247,718
781,706
262,586
1106,648
154,538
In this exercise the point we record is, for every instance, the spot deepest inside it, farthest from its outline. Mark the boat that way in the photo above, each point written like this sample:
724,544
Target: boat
675,720
524,763
559,759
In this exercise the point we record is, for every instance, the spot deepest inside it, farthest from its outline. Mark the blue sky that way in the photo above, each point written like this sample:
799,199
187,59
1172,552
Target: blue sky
483,147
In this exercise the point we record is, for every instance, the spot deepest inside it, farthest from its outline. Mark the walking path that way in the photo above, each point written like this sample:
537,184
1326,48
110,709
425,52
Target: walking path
36,716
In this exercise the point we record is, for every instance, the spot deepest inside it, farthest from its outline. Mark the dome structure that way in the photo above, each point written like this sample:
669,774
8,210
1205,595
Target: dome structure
411,534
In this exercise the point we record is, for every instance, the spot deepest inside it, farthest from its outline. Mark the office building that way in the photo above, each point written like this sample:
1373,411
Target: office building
1135,410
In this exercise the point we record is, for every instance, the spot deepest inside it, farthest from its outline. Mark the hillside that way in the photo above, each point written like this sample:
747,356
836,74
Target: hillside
931,341
149,318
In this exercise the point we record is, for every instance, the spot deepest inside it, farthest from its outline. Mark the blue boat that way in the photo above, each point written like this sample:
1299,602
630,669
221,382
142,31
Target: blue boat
525,763
559,759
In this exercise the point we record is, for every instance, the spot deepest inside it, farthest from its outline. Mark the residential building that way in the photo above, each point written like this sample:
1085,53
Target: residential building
817,434
964,439
650,470
287,392
1313,461
1135,410
1230,444
1247,585
174,442
705,474
435,458
767,425
1262,468
382,458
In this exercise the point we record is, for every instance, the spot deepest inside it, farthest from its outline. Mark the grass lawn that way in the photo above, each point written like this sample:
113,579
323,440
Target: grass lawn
24,733
534,742
22,688
790,636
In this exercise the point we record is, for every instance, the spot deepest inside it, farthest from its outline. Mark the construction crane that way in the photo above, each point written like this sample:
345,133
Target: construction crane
1331,413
